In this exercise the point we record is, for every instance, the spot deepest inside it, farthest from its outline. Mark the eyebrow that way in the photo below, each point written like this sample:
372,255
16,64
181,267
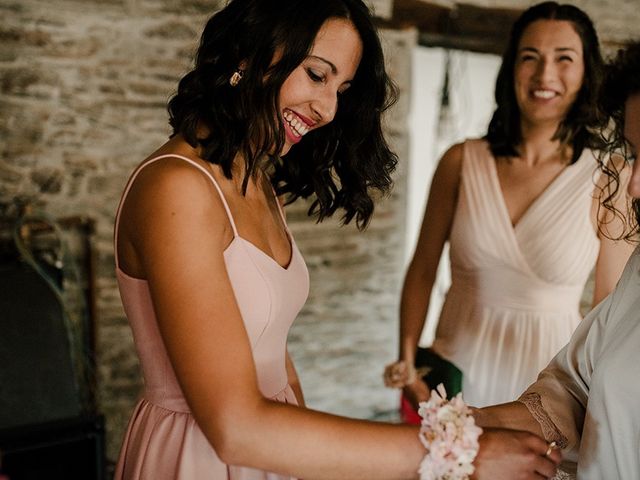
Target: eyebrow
334,70
559,49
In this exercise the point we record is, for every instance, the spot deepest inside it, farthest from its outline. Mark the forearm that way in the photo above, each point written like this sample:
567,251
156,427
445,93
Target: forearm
310,444
414,306
513,415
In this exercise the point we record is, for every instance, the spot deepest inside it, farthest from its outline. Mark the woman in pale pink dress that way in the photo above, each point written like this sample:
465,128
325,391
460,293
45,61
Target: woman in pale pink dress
520,210
586,399
285,98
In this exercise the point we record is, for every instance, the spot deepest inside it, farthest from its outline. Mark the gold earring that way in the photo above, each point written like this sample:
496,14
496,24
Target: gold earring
236,77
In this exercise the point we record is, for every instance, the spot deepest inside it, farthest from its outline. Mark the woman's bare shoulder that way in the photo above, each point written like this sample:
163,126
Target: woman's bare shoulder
450,164
172,181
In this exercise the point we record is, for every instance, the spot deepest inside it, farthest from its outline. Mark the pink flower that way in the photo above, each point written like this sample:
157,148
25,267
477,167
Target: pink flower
450,435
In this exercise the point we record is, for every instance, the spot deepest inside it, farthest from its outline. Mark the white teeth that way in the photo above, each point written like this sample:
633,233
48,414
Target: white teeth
299,128
546,94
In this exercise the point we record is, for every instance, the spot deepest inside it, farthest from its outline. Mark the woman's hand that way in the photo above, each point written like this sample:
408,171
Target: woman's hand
403,375
398,374
514,455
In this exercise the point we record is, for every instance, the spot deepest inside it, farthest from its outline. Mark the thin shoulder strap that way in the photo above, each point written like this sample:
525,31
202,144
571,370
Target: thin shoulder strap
160,157
280,209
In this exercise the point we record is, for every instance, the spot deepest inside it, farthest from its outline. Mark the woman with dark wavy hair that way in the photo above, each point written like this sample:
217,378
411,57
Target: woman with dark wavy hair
285,98
520,211
586,400
339,164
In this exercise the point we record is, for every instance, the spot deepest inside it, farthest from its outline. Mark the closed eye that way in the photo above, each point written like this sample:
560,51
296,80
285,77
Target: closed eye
525,58
314,76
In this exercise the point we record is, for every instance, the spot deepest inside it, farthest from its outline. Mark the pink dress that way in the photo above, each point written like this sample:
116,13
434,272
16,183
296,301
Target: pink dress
515,290
163,441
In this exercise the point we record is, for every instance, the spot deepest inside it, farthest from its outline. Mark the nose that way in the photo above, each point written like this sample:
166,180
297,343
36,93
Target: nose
325,105
545,70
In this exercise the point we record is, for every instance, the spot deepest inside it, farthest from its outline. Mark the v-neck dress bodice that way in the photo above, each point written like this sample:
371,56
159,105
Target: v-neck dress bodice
163,441
515,290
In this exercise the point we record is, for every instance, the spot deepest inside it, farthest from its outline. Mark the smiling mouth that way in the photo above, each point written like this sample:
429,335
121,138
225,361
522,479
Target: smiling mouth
544,94
298,127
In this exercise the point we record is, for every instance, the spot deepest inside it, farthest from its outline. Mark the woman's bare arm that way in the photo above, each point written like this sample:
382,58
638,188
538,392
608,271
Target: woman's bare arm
613,254
434,232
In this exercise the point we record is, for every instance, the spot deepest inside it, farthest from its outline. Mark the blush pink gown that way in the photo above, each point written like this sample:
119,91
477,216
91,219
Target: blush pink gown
515,290
163,441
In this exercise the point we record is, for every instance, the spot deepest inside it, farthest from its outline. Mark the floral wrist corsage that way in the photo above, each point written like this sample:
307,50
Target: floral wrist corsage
450,435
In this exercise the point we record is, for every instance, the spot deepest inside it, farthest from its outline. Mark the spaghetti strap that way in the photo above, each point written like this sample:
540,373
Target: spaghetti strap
280,209
154,159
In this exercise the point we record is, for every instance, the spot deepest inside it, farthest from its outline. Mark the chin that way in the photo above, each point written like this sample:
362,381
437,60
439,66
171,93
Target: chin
544,119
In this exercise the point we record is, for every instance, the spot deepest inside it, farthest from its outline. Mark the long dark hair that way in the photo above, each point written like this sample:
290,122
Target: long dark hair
622,80
579,127
339,164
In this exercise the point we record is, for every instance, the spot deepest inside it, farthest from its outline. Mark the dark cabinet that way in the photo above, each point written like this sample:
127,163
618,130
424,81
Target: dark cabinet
69,449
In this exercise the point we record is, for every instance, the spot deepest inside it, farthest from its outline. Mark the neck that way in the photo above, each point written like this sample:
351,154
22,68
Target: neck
538,146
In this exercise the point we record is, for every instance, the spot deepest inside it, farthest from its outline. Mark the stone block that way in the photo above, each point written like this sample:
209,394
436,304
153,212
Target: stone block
171,30
48,180
10,174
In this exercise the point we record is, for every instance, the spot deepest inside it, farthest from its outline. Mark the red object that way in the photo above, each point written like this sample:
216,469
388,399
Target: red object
407,413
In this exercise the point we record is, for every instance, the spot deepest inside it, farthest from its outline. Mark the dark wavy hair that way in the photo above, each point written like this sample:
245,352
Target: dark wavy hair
338,165
579,127
622,80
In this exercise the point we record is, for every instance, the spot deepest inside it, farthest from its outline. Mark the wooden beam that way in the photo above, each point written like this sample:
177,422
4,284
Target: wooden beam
463,26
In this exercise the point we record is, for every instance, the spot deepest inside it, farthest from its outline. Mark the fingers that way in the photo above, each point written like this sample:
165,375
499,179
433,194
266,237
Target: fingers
548,457
507,454
553,453
392,374
398,374
547,450
545,467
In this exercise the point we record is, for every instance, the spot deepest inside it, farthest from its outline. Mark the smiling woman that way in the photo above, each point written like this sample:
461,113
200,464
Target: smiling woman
584,399
284,98
520,211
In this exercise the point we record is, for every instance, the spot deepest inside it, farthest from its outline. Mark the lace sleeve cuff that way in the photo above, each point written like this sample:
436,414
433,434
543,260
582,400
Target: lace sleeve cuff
551,433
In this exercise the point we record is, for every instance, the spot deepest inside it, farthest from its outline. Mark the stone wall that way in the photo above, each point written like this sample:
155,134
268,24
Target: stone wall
83,88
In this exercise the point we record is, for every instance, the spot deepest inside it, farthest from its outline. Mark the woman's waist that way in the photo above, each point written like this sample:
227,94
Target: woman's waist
173,399
512,290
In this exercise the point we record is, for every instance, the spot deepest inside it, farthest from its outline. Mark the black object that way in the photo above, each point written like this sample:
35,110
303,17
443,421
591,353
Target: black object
37,379
49,428
438,370
70,449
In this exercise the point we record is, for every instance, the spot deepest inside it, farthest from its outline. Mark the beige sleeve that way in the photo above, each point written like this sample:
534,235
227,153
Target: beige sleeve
558,398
